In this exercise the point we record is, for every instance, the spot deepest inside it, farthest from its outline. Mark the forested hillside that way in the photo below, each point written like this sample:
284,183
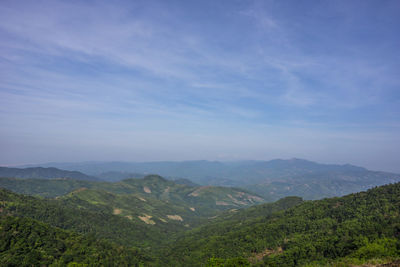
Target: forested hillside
28,242
44,173
354,228
143,213
166,224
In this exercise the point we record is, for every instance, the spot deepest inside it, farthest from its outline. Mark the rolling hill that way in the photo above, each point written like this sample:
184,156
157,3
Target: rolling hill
349,230
85,227
148,209
44,173
272,179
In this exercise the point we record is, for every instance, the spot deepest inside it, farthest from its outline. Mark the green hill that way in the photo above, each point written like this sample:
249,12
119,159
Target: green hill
144,212
205,200
272,179
44,173
27,242
82,219
354,228
161,223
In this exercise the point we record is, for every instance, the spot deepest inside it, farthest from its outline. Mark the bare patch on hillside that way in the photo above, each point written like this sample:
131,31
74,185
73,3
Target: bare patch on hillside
142,199
192,209
222,203
129,217
79,190
175,217
236,201
147,219
147,190
117,211
259,256
197,192
254,198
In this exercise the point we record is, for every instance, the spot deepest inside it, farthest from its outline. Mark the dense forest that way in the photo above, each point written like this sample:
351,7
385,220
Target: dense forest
127,225
354,228
28,242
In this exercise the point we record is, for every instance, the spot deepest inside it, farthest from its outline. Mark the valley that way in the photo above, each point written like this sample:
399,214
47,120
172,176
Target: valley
153,221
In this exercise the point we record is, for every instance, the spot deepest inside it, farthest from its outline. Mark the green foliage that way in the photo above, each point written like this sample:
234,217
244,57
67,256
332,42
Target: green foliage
379,248
44,188
115,211
70,216
103,225
233,262
363,226
44,173
26,242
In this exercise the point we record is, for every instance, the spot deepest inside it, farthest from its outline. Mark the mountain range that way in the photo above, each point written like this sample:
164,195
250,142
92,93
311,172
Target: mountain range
155,222
272,179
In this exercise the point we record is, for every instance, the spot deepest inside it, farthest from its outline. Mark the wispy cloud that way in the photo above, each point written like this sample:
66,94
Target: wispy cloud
201,69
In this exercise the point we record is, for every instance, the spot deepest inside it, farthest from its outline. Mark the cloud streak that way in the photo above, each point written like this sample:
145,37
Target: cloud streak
141,69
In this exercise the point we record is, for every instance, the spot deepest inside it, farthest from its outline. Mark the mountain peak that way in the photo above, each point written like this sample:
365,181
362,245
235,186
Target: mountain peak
154,177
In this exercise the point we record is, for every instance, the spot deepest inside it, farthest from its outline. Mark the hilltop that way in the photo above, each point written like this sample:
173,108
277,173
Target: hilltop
152,202
272,179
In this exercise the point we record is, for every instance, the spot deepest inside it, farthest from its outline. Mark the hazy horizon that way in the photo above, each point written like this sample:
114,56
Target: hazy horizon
48,164
189,80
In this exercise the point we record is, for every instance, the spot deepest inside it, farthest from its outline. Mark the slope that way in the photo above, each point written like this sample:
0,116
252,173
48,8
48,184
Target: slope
44,173
27,242
272,179
68,216
137,212
353,228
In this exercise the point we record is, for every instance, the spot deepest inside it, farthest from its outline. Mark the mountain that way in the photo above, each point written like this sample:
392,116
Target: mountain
152,201
352,229
139,226
44,173
272,179
151,186
115,176
82,218
145,213
93,227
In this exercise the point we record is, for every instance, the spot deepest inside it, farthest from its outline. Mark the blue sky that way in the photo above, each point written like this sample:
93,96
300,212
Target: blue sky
184,80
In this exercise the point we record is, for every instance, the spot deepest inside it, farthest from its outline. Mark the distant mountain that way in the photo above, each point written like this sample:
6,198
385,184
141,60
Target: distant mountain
185,182
115,176
44,173
272,179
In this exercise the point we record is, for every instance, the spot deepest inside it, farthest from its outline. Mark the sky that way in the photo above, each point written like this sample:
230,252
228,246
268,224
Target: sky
187,80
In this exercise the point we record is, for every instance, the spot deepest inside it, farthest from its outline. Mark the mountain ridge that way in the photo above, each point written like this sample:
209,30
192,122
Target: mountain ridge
272,179
44,173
